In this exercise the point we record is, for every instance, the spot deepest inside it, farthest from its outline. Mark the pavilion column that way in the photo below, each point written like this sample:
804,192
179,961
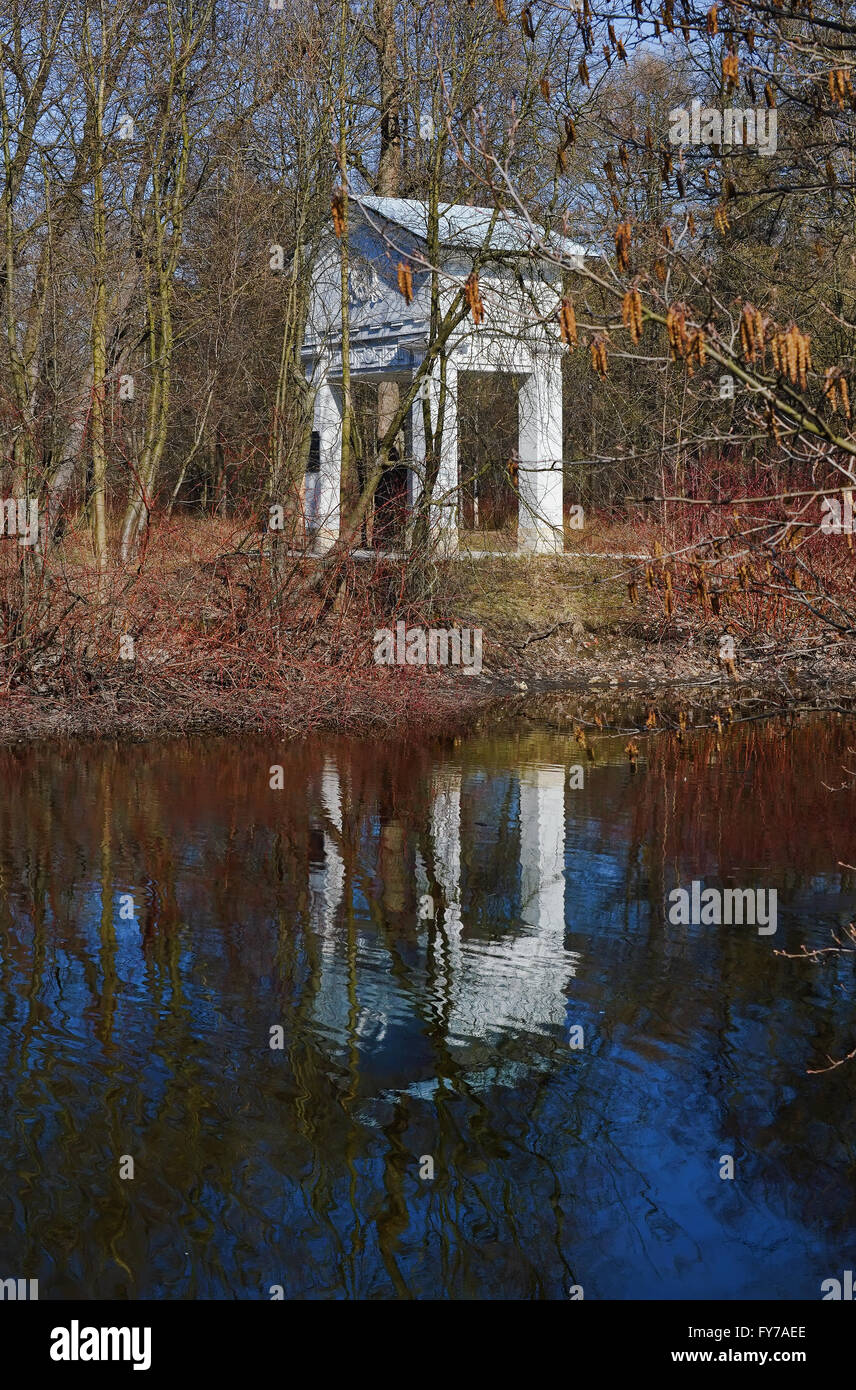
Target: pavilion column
416,473
388,398
540,528
542,850
324,518
444,503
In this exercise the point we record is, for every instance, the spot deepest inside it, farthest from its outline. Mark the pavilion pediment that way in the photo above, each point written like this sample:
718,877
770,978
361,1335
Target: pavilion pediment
519,283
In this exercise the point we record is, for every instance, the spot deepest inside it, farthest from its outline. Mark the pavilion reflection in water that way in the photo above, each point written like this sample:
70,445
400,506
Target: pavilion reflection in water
480,994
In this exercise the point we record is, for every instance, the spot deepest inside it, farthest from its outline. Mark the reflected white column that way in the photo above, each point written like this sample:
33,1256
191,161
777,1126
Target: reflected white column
518,982
331,793
446,838
542,850
331,798
330,1005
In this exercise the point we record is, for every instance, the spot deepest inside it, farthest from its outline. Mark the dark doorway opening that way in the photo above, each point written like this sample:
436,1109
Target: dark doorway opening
487,450
390,506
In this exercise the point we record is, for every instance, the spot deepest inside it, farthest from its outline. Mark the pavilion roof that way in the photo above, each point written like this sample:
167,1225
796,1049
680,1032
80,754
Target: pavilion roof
468,228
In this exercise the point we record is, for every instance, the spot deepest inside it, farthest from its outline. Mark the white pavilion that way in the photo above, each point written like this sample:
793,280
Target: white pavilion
520,275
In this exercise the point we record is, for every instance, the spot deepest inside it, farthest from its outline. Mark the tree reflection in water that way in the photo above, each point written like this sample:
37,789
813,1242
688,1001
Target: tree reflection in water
427,924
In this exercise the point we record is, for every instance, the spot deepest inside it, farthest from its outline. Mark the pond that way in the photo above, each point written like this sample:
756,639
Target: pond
413,1020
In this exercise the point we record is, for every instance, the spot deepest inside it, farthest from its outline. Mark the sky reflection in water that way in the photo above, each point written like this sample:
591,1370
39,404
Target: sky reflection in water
427,925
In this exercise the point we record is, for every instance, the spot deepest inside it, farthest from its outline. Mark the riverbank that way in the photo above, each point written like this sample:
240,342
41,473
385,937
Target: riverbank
548,625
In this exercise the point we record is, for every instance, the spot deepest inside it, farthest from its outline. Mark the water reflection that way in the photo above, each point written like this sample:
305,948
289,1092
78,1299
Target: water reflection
426,925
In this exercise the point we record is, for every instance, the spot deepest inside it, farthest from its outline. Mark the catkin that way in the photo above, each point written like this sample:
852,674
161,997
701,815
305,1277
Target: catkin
405,281
676,327
568,323
751,333
631,314
473,298
599,359
337,208
622,245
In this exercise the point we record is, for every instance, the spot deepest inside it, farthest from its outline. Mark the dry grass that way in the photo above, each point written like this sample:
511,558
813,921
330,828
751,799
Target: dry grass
202,633
222,641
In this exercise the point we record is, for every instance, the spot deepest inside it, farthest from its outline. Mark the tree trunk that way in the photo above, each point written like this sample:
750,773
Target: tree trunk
389,159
